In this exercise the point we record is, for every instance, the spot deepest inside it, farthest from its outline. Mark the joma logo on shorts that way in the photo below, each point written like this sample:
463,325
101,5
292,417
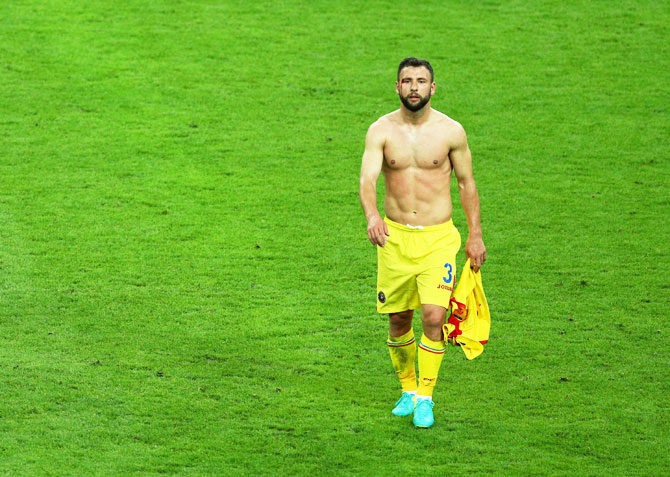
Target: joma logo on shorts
444,287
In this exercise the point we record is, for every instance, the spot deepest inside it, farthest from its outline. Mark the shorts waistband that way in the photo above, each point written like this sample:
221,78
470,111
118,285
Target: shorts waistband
420,228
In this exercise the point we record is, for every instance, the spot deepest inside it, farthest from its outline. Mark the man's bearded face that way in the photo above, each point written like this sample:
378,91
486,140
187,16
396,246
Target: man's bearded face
415,87
414,101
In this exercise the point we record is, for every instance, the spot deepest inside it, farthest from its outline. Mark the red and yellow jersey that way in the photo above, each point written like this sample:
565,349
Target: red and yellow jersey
470,320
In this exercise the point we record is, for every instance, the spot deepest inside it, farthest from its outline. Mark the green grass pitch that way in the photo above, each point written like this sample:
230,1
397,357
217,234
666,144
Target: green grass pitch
186,285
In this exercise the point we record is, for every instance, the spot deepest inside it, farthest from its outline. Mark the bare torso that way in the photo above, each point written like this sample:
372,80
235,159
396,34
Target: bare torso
417,168
416,148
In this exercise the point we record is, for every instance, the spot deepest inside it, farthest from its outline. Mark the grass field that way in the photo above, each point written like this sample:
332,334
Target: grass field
186,285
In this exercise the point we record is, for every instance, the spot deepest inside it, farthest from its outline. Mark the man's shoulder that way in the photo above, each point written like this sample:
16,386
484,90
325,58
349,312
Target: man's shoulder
451,129
382,125
446,122
386,120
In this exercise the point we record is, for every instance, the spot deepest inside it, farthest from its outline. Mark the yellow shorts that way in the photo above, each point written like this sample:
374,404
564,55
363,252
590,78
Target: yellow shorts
417,266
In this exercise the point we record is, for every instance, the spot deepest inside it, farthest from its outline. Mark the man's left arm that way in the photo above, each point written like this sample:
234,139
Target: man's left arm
461,160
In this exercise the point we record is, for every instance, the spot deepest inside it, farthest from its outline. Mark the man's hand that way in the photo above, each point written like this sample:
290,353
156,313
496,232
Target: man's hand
476,252
377,230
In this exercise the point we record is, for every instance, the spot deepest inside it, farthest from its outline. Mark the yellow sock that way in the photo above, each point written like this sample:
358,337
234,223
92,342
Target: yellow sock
430,358
403,353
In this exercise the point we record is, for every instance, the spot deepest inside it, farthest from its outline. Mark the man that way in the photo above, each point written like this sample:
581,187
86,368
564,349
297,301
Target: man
416,147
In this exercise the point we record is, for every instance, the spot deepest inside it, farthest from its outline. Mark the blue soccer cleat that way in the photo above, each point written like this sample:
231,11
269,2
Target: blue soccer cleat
423,413
404,406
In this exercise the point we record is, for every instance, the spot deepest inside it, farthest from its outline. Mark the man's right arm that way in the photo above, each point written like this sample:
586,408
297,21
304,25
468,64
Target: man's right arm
371,166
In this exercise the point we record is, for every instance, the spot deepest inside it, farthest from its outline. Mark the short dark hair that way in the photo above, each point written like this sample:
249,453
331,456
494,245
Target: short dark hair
411,61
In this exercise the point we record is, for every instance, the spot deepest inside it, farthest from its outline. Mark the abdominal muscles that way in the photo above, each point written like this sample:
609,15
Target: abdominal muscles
418,196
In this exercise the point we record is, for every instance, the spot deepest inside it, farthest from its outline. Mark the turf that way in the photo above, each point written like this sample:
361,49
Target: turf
185,281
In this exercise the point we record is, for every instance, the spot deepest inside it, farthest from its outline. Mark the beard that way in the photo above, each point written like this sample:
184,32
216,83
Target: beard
414,107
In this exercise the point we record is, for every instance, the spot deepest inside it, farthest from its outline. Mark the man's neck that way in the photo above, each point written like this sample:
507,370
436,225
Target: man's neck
415,117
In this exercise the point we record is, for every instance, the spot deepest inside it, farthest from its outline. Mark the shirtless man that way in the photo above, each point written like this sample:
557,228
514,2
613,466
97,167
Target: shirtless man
416,147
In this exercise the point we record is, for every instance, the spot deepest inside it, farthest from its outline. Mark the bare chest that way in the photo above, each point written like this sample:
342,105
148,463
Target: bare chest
406,148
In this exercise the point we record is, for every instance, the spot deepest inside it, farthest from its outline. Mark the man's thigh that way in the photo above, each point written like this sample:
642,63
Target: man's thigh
435,284
396,281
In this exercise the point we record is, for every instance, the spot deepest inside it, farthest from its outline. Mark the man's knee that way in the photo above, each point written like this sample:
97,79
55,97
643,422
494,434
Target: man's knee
433,316
400,323
401,317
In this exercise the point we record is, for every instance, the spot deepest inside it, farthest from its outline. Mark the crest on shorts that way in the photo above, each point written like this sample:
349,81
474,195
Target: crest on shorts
381,297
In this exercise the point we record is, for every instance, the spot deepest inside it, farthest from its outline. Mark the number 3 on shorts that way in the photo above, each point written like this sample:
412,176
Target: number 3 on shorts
447,279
